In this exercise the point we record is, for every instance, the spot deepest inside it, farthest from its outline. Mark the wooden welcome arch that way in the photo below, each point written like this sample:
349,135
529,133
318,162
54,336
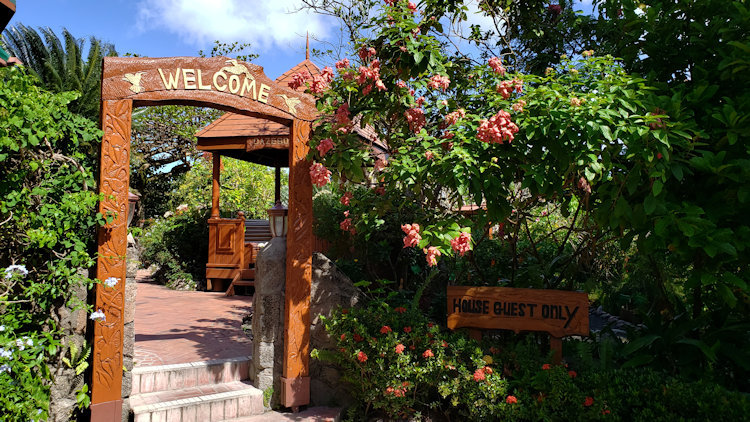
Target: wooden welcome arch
222,83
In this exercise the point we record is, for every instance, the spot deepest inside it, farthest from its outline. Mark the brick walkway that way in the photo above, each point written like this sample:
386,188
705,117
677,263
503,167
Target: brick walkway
181,327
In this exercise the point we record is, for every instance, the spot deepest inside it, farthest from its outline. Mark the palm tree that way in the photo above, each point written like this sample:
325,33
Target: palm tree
59,64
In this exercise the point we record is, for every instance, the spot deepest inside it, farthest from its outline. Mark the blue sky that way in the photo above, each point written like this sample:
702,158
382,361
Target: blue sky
163,28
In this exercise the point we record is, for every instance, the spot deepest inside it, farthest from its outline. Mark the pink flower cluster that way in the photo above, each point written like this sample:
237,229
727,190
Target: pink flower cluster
342,64
439,82
324,146
428,353
429,155
415,118
505,88
397,392
371,73
518,107
366,52
298,79
461,243
584,185
497,66
401,84
479,375
342,119
432,254
498,129
346,198
412,235
452,118
319,174
347,226
412,7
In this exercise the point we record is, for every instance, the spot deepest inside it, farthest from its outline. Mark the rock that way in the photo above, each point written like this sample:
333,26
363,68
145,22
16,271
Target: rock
331,289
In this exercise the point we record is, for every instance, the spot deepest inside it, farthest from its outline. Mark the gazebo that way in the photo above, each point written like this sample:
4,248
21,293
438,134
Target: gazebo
234,242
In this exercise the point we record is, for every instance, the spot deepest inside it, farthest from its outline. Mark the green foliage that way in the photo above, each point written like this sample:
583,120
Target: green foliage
245,186
163,150
59,65
178,245
48,219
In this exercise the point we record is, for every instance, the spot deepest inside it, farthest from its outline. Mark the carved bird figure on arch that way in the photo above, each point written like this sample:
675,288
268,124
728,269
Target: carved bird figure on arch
135,81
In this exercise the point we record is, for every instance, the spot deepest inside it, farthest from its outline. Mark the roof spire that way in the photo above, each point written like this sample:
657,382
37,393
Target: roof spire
307,50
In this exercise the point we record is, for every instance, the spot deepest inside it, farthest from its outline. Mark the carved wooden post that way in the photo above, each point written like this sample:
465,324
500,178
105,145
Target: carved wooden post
114,181
216,185
295,390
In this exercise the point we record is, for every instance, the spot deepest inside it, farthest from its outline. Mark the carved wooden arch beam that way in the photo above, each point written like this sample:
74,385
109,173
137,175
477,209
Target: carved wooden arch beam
218,82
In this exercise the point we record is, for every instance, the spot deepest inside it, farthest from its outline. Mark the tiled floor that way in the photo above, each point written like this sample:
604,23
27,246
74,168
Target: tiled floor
180,327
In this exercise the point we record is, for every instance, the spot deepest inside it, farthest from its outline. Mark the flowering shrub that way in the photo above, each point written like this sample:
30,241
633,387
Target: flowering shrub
47,222
402,365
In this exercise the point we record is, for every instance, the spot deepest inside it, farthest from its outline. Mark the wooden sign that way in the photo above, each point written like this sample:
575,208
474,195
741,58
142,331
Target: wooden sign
560,313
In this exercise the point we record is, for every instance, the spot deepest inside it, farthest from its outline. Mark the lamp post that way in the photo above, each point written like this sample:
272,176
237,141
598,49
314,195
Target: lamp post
278,220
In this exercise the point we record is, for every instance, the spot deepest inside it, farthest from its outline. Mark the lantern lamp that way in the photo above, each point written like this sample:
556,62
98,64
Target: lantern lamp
278,220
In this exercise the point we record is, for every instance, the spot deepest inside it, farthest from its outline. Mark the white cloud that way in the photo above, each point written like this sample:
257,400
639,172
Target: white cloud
265,24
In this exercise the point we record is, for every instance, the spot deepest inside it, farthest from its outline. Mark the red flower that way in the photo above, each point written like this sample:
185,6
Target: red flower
412,347
325,146
400,309
319,174
400,348
430,325
407,329
427,353
445,343
546,366
572,374
412,235
343,337
461,243
487,370
498,129
362,357
606,412
659,156
589,401
385,329
511,400
357,337
497,66
479,375
346,198
431,255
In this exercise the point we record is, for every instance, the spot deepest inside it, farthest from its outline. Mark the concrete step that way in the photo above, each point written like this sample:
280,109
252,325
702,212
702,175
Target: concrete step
204,403
149,379
312,414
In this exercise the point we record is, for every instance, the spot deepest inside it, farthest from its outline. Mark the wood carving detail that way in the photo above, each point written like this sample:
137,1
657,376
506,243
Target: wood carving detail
114,181
299,256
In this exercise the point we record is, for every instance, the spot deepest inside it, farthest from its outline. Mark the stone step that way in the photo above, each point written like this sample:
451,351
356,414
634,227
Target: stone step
149,379
312,414
206,403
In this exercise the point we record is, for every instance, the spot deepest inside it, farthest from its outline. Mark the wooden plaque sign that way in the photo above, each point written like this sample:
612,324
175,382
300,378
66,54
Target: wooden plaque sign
560,313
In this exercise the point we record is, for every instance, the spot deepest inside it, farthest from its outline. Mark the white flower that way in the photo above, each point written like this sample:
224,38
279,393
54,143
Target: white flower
20,269
182,208
19,344
2,328
5,353
4,368
111,281
29,342
168,214
98,316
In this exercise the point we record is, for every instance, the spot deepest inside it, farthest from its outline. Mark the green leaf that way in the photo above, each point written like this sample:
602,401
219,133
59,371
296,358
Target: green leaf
656,188
606,131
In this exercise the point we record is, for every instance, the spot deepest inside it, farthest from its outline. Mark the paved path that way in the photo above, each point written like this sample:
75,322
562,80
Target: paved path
180,327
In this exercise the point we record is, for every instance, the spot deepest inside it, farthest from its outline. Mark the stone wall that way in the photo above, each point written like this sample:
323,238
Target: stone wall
330,289
128,345
268,319
65,381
